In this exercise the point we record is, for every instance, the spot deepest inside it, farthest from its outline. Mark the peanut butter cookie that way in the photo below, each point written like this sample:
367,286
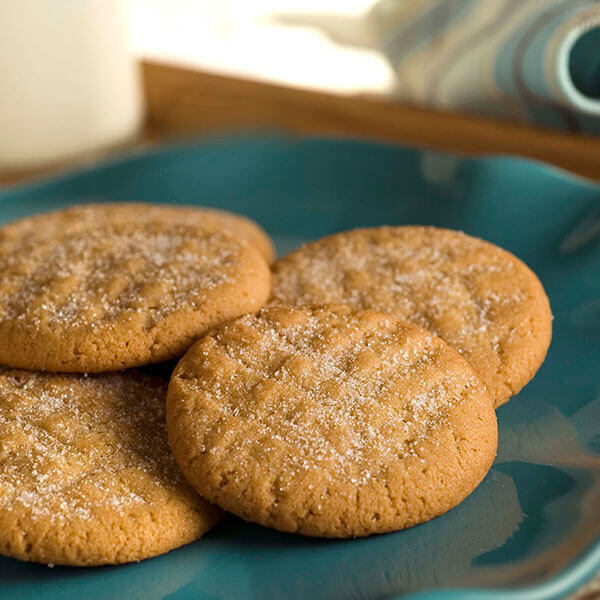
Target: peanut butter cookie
86,475
119,295
329,421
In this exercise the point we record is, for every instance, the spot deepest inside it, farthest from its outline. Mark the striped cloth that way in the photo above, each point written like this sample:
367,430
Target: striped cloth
528,60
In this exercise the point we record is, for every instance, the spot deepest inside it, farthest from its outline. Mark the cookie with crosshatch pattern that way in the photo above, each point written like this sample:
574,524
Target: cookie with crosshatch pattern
86,474
479,298
329,421
118,295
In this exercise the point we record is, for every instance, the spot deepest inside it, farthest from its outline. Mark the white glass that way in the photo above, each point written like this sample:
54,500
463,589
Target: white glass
68,82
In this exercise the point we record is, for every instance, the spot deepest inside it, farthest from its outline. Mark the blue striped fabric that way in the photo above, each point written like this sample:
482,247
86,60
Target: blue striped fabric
529,60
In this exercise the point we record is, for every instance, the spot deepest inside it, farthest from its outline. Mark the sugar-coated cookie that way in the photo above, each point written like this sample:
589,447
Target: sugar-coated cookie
119,295
86,475
329,421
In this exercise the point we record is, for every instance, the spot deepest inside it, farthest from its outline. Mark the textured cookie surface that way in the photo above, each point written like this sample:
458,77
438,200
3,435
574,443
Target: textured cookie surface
479,298
86,475
86,216
120,295
329,421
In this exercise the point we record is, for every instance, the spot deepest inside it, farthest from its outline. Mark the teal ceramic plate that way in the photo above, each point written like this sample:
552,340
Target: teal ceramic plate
532,529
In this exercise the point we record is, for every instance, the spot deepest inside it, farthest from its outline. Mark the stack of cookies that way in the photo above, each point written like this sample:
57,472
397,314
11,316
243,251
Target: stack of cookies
359,400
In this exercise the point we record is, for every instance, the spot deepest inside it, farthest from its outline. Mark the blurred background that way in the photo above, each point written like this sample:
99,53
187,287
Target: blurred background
79,77
282,41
